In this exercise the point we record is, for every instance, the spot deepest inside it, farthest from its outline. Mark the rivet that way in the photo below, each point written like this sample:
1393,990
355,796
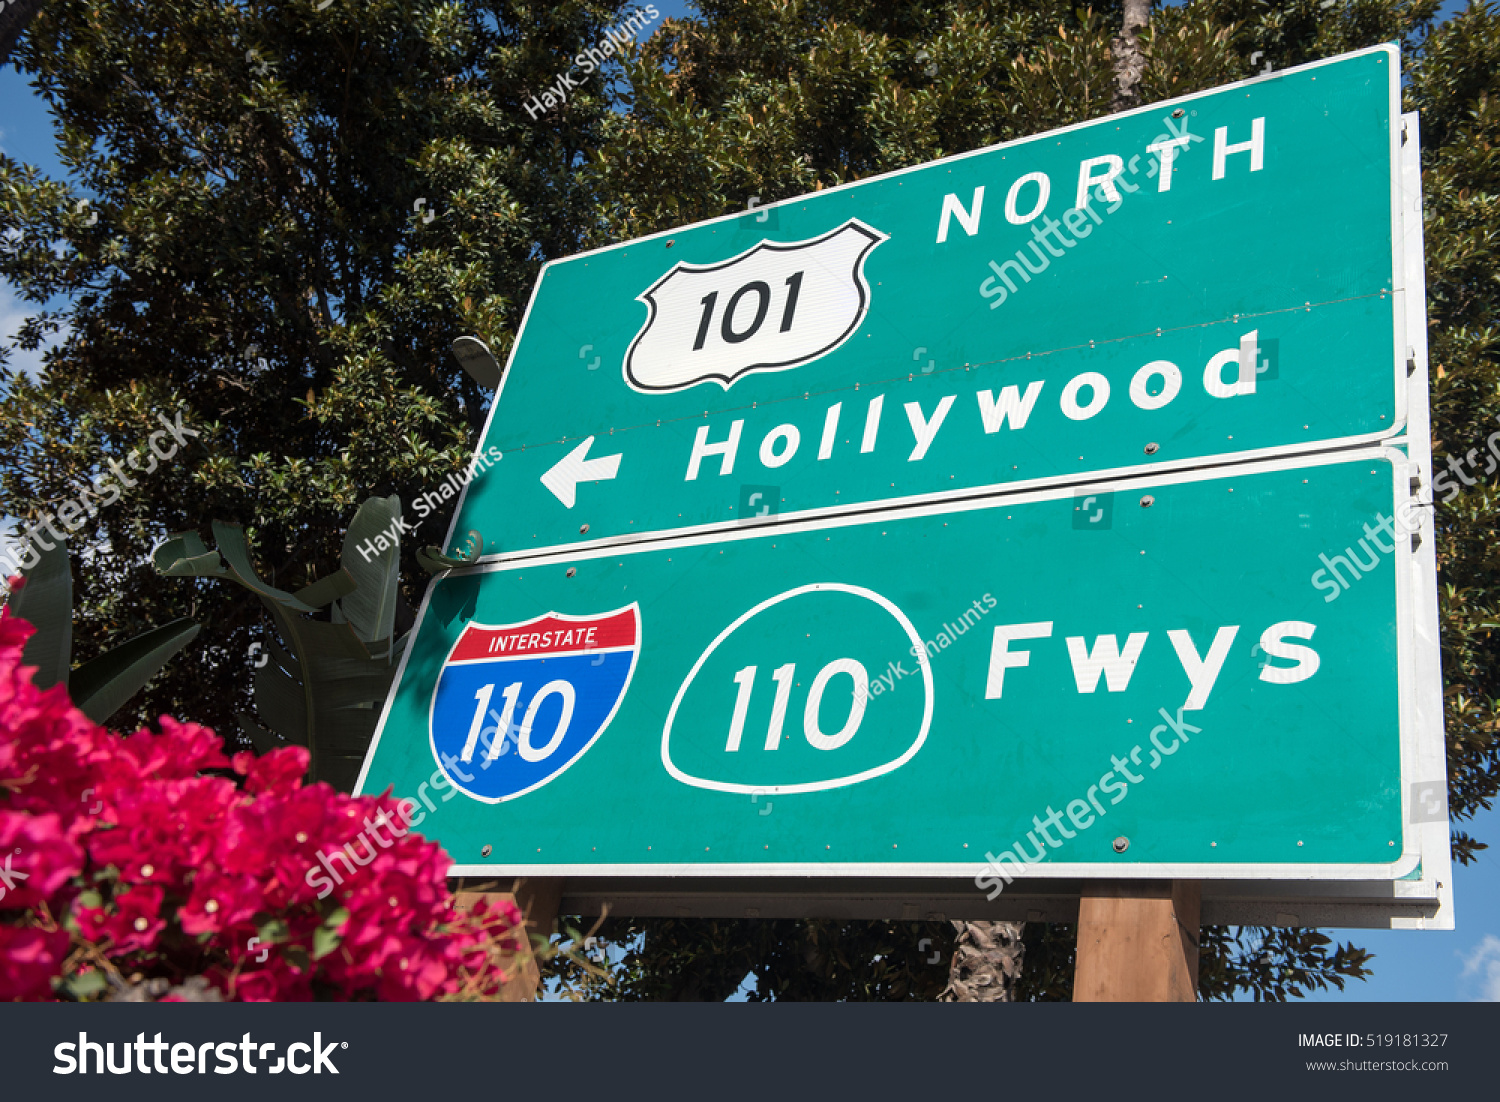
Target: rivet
1147,501
486,851
1121,844
582,529
572,571
1177,114
1151,448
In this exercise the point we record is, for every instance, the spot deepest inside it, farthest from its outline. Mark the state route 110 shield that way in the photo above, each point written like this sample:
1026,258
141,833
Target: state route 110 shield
516,704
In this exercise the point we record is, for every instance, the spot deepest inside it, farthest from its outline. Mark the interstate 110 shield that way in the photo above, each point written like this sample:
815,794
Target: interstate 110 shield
516,704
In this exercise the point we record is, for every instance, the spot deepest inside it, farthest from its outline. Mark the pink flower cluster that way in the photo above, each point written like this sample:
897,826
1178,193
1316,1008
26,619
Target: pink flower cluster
154,856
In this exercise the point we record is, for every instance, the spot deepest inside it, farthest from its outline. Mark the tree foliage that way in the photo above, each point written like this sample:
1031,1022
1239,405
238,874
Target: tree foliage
277,219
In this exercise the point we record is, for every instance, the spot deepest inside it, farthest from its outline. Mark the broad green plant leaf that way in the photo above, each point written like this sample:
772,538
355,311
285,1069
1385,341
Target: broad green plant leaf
99,688
371,607
46,602
324,681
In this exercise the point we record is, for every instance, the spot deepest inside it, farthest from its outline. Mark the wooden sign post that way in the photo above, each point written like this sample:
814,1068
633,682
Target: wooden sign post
1138,941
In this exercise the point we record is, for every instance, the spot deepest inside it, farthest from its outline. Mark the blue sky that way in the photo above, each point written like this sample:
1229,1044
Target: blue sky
1410,965
1440,966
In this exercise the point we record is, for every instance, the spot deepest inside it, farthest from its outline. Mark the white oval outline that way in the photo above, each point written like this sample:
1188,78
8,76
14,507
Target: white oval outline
640,639
812,786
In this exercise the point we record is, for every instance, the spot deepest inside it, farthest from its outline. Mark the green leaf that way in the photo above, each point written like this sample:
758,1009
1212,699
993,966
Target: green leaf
371,608
231,543
100,687
263,740
281,705
85,985
46,602
325,941
204,566
327,590
186,547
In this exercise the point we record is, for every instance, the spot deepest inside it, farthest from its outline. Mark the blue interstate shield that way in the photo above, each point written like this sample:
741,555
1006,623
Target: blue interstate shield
516,704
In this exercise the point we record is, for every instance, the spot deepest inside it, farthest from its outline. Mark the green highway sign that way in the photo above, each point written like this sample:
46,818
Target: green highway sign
1218,277
1196,674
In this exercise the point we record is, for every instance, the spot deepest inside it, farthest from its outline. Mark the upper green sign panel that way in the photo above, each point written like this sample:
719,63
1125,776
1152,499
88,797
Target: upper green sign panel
1212,277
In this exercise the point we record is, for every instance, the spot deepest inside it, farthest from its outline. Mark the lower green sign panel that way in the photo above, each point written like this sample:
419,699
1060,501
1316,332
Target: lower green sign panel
1190,675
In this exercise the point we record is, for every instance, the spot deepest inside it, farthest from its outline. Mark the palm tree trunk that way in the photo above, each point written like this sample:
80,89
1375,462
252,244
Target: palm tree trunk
1130,63
987,958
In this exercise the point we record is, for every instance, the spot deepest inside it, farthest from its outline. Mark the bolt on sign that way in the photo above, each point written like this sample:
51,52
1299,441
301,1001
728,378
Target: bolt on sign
1129,396
1213,278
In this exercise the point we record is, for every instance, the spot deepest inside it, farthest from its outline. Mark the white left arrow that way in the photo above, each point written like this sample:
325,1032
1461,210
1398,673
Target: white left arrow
565,475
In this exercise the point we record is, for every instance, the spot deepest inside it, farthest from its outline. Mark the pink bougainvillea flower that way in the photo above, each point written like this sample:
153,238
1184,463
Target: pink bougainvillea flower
36,859
142,848
131,921
29,958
